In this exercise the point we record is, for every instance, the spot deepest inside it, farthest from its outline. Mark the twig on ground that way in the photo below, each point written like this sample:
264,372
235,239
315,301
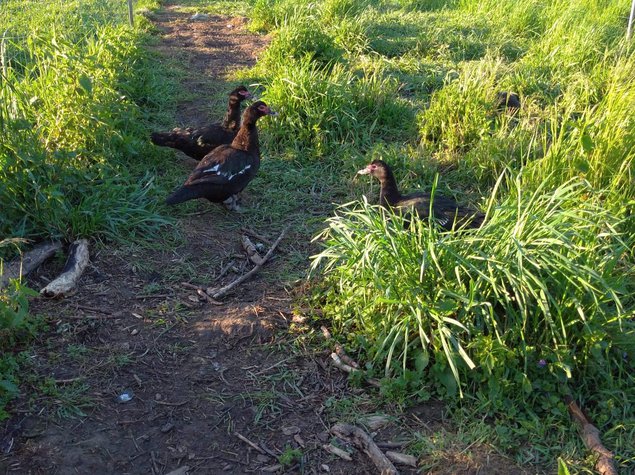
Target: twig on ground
66,283
165,403
363,441
402,459
220,293
201,293
250,249
338,363
93,309
591,437
254,234
250,443
343,454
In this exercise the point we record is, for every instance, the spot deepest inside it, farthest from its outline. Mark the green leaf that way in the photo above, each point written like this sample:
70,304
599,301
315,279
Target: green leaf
587,142
562,467
86,83
8,387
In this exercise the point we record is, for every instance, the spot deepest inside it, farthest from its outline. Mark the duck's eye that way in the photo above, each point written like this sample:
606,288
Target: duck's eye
262,108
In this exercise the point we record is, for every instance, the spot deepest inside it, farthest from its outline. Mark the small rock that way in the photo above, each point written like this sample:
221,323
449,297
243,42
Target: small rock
167,427
376,421
325,468
299,440
271,468
134,332
290,430
180,471
125,396
199,16
158,397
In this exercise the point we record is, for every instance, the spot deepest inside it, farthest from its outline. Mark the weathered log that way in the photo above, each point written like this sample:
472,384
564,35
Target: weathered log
66,282
591,437
29,262
363,441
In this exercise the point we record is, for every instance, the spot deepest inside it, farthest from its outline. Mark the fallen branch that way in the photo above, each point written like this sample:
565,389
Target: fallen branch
343,454
250,249
66,282
250,443
591,437
339,350
254,234
338,363
29,262
220,293
362,441
402,459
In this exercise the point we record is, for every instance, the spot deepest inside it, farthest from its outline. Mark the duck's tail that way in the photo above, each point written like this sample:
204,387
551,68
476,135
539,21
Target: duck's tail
182,194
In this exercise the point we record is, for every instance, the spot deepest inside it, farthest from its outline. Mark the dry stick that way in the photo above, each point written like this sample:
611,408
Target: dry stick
591,437
250,443
250,249
93,309
338,363
254,234
362,441
30,262
402,459
65,283
224,290
343,454
339,350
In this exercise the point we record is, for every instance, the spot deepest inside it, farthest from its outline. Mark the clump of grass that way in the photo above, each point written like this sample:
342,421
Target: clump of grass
71,124
325,109
512,309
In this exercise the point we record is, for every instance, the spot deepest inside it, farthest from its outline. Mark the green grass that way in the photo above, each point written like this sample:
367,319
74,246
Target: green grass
470,317
78,90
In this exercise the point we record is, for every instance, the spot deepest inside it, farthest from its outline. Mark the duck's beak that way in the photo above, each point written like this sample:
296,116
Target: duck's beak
270,111
364,171
246,94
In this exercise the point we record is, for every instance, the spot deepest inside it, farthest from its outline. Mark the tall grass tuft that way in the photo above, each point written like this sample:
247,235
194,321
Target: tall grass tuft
514,307
72,133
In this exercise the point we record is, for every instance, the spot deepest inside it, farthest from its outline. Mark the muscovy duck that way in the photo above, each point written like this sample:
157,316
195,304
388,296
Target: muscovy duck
227,169
445,210
197,143
507,100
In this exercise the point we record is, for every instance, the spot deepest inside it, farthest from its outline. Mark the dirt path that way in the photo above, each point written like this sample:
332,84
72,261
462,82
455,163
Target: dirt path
199,374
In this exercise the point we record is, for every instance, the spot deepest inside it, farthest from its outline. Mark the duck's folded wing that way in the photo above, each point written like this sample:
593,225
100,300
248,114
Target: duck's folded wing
219,173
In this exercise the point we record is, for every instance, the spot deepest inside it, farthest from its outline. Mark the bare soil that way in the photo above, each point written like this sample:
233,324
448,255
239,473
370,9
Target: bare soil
199,375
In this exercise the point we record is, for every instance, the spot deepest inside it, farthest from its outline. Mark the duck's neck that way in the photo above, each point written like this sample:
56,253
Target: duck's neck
247,138
232,117
389,193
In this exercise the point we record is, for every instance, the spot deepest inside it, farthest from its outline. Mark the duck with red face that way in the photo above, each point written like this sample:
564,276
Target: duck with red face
445,211
197,143
227,169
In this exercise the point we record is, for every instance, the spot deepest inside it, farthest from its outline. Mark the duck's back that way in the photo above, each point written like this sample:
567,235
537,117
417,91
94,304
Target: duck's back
446,211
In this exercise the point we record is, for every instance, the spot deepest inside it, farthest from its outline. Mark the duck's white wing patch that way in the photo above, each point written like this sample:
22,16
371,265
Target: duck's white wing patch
213,169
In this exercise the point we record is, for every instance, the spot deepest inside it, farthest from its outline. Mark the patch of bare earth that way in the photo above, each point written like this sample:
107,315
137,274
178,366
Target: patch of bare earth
201,378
